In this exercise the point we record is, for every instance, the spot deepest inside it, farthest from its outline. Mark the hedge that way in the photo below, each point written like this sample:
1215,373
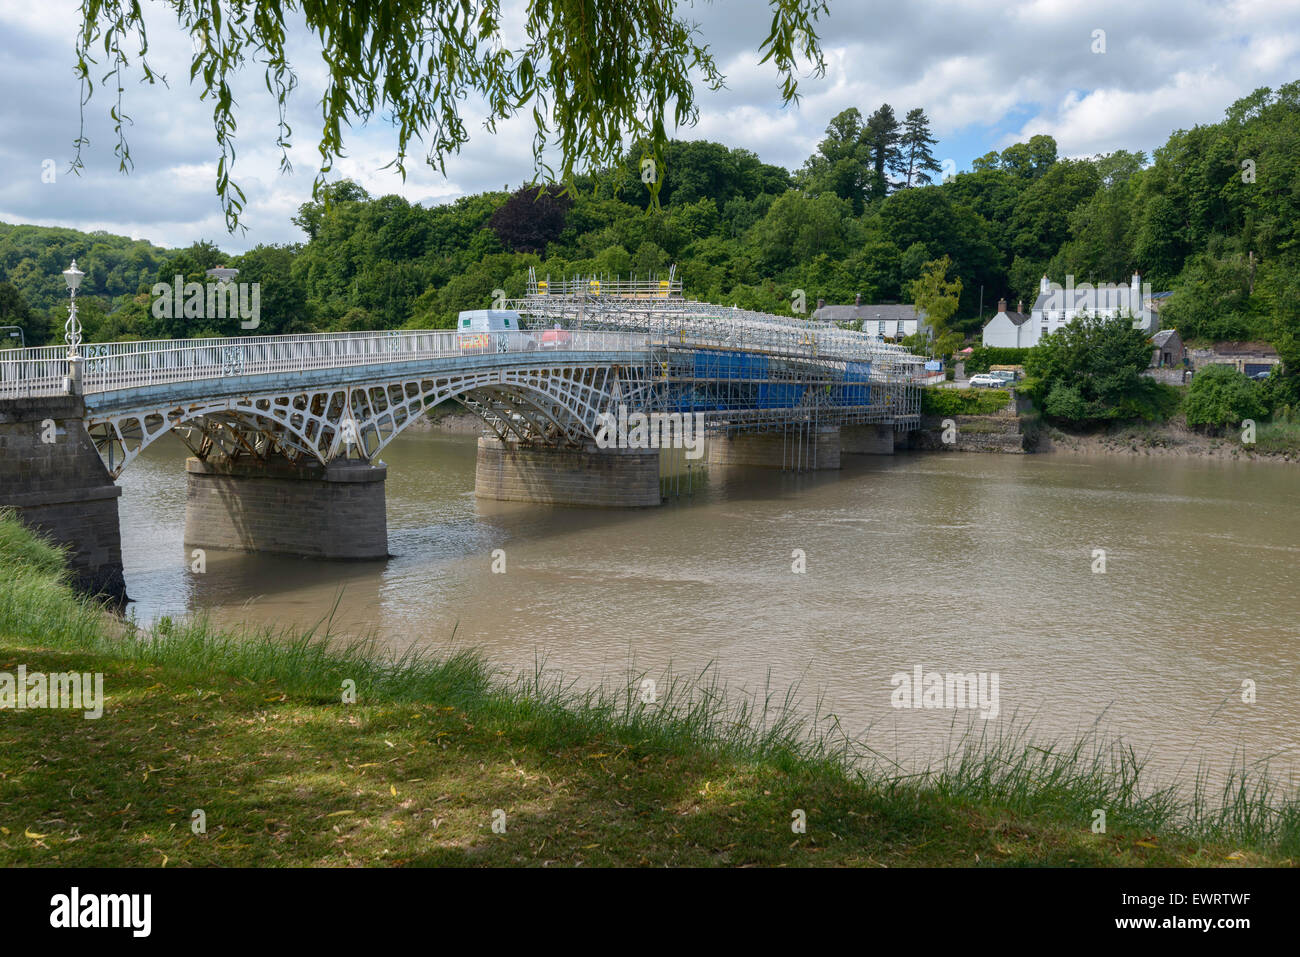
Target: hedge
982,357
963,401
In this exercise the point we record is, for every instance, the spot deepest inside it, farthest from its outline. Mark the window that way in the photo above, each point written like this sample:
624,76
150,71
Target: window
901,329
880,328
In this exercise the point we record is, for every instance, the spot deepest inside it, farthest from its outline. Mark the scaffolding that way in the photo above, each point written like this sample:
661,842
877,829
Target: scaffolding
744,370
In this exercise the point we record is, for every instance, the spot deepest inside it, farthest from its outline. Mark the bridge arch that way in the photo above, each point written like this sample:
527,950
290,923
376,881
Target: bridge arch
555,404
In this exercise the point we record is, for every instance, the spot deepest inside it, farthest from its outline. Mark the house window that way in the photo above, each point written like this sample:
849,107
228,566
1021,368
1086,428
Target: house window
1044,330
880,328
900,332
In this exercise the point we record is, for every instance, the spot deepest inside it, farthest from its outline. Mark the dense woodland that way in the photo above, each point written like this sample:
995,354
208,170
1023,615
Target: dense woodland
1212,215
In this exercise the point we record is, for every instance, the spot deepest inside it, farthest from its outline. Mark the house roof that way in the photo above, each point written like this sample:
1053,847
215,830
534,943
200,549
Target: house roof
868,312
1163,336
1243,348
1092,300
1017,318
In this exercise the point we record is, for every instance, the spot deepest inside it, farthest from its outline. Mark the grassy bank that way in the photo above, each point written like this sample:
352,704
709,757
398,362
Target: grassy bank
253,731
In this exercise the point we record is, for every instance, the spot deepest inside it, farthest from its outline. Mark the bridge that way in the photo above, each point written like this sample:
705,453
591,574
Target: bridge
286,432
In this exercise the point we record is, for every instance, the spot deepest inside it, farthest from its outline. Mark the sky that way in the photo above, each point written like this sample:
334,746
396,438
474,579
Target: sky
1097,76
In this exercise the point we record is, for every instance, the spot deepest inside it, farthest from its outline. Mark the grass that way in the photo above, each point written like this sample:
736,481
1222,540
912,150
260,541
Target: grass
251,729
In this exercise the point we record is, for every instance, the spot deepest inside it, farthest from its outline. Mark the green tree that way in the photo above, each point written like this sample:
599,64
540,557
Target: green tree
914,145
935,295
882,137
842,163
1221,397
1090,370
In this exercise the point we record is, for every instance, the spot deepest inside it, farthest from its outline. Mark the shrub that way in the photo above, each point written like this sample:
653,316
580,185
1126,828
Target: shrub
1221,396
982,358
963,401
1090,371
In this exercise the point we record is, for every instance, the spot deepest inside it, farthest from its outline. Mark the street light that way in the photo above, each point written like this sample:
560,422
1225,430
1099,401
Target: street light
72,329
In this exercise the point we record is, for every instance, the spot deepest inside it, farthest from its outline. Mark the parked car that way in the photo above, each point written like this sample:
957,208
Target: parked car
1005,375
986,380
1261,376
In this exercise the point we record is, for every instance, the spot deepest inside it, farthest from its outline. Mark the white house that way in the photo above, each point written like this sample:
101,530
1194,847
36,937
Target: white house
889,321
1056,306
1008,330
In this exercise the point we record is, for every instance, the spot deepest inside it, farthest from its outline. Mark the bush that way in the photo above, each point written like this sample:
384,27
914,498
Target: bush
1090,371
1221,396
984,357
963,401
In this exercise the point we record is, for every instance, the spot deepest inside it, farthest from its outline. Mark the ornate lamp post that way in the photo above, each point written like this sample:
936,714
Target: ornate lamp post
72,329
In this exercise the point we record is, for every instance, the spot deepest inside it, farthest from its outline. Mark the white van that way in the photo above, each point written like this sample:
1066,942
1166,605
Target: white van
480,329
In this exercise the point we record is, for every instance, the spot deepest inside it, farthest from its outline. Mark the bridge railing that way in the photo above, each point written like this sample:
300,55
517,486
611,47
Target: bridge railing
123,365
39,370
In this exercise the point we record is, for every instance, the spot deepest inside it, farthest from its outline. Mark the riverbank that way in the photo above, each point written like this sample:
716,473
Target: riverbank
1170,440
252,730
450,417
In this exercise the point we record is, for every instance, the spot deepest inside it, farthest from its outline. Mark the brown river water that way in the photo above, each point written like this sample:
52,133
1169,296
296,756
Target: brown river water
951,563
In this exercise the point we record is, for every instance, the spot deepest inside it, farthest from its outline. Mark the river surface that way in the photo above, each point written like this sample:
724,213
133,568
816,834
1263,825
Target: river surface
952,563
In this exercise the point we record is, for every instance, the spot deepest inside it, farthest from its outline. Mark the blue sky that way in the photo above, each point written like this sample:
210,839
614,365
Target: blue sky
988,72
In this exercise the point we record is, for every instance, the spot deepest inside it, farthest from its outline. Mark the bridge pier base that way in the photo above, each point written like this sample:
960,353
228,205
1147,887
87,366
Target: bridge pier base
310,510
55,481
591,476
794,450
867,440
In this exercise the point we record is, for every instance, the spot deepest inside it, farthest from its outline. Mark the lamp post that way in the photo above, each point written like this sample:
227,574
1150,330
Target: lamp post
72,329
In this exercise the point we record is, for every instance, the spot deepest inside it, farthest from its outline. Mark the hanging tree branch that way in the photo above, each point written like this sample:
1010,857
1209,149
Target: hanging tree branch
597,74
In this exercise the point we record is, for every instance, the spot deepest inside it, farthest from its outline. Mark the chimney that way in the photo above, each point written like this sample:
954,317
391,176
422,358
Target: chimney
1020,306
820,303
857,300
1044,285
1002,305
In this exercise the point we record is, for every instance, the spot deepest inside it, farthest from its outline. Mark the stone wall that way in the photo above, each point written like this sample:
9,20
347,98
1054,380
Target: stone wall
314,511
972,433
602,478
61,488
776,450
868,440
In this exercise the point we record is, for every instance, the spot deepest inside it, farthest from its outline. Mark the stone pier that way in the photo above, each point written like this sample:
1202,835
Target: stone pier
591,476
867,440
53,478
310,510
797,452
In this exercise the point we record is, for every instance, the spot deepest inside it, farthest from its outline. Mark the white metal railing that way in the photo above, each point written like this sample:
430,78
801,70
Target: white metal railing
111,366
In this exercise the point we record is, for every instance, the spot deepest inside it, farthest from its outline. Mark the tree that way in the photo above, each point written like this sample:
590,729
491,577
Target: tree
531,218
936,296
842,163
595,74
310,214
1221,397
882,138
915,145
14,311
1090,370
